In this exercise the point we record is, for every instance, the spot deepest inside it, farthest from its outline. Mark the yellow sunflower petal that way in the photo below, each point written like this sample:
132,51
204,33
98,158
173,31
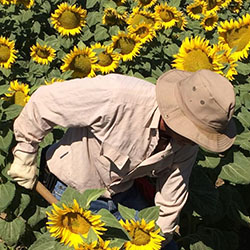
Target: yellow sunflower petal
42,54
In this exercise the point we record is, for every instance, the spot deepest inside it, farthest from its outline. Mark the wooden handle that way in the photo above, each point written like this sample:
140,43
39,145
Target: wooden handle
45,193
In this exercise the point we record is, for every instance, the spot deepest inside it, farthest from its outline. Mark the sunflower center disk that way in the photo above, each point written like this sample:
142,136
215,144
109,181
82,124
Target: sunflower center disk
196,10
141,19
238,38
209,22
211,4
19,97
111,19
145,2
166,15
69,19
75,223
196,60
140,237
142,32
82,64
105,59
4,53
126,45
43,53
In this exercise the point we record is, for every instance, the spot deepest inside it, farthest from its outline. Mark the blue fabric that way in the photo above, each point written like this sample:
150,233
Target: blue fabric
126,198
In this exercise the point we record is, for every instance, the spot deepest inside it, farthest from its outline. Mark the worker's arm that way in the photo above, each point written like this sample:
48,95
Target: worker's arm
172,190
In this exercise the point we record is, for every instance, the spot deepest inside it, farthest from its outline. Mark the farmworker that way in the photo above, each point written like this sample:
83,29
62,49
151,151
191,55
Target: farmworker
121,128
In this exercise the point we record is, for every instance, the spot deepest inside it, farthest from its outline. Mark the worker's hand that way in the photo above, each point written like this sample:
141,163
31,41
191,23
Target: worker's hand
23,169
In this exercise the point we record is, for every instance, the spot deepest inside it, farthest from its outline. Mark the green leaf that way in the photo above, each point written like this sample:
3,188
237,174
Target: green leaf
149,213
171,49
2,246
90,195
174,3
113,30
69,195
92,236
101,34
48,140
39,215
87,34
244,117
3,89
10,232
6,72
243,68
210,161
243,140
6,136
93,18
7,193
24,202
108,4
238,171
127,213
36,27
91,4
12,111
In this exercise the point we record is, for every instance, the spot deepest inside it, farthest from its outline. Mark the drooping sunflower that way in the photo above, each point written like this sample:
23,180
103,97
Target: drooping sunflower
81,61
53,80
210,22
236,34
107,60
194,54
196,9
226,59
181,22
18,93
146,3
7,52
128,44
142,16
144,31
144,235
27,3
235,5
167,14
70,224
42,54
112,17
68,20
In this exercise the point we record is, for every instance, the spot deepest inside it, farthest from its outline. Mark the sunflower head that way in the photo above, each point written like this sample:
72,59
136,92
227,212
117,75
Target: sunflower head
181,21
210,22
53,80
112,17
194,54
72,223
143,235
236,34
42,54
235,5
7,52
194,10
27,3
146,3
18,93
68,20
128,44
8,2
107,61
212,6
81,62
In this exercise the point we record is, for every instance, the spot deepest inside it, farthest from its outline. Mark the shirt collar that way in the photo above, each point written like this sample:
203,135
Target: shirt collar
154,120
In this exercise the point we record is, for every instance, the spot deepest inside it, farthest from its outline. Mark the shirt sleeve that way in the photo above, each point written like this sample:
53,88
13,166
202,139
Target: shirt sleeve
73,103
172,189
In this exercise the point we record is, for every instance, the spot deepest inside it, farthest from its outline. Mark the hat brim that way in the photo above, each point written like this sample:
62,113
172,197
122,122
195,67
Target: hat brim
175,118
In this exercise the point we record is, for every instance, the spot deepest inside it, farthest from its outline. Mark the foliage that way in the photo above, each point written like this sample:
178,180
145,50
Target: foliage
218,206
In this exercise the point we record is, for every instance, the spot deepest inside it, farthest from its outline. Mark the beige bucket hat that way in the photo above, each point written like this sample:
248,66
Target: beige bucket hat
199,106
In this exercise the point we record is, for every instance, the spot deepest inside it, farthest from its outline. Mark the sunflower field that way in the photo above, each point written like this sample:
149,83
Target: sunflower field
47,41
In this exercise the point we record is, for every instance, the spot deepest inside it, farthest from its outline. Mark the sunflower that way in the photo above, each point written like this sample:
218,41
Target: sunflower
101,245
107,60
236,34
181,22
27,3
112,17
224,3
18,93
68,20
142,16
81,62
167,14
194,54
195,9
146,3
70,224
7,52
120,2
144,235
210,22
42,54
144,31
235,5
226,59
212,6
128,44
53,80
8,2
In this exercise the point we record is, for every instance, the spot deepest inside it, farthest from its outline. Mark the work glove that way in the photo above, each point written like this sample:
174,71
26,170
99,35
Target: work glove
23,169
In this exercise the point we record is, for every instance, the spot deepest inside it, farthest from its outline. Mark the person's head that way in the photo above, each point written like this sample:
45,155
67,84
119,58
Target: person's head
198,106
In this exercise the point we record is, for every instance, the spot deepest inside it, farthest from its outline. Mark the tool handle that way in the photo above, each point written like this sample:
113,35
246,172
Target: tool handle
45,193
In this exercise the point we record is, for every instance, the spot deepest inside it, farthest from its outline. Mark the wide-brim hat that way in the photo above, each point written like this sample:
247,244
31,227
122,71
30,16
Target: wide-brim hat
199,106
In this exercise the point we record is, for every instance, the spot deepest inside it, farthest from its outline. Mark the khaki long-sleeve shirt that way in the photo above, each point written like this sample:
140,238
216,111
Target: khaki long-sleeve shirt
113,130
